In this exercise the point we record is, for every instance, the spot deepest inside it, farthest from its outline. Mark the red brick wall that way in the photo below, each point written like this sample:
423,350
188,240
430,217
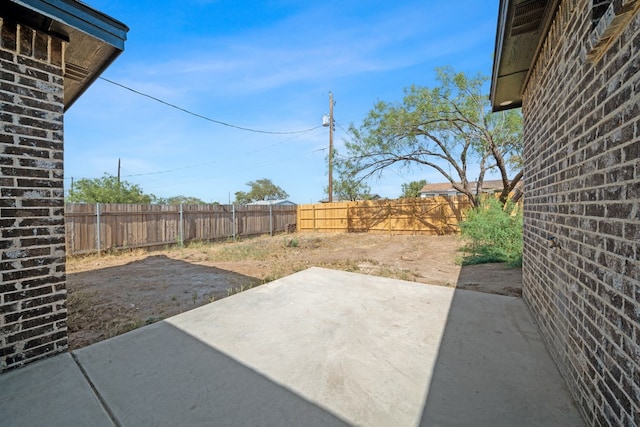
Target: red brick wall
582,185
32,291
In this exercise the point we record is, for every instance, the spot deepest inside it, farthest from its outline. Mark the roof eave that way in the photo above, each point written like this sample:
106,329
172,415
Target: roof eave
78,15
518,44
502,21
95,40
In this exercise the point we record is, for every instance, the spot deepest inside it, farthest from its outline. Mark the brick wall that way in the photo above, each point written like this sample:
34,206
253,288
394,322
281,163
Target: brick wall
32,291
582,185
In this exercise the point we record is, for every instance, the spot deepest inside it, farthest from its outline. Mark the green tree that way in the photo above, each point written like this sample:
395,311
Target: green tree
261,189
183,200
347,188
449,128
412,189
107,190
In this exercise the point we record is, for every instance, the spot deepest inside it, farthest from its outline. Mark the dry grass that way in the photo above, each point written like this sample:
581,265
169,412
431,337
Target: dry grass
88,311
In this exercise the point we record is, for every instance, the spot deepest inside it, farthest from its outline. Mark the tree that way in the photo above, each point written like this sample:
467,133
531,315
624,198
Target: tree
346,187
183,200
349,188
261,189
449,128
107,190
412,189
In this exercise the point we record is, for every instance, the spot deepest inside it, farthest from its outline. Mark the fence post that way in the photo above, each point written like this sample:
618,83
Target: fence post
270,219
314,217
69,228
389,217
98,227
233,221
181,227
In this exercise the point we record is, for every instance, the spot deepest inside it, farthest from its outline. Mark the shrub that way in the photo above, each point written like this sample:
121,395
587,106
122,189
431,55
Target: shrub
493,233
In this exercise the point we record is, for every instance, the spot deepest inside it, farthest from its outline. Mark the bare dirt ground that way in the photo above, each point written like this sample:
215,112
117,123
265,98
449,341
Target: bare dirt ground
113,294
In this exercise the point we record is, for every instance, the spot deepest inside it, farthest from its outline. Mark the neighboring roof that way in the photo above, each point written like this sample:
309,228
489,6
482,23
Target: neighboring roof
273,202
446,187
521,27
95,39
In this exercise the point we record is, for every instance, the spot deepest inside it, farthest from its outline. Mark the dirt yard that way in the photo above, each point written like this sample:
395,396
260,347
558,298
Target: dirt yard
113,294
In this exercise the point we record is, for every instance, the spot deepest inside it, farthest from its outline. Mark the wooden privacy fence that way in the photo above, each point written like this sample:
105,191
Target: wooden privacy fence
430,216
100,227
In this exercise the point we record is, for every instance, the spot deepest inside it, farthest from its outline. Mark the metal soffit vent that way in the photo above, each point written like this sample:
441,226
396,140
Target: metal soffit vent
527,16
76,72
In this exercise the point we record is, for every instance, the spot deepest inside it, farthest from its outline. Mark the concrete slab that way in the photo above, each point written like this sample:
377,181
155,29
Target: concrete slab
51,392
324,347
494,369
161,376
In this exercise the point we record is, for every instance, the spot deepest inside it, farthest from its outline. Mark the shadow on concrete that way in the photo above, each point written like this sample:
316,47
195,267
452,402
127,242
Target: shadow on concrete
319,347
357,346
162,376
492,367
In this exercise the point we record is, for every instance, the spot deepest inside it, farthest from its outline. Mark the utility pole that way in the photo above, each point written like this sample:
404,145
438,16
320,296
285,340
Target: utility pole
328,121
118,172
330,147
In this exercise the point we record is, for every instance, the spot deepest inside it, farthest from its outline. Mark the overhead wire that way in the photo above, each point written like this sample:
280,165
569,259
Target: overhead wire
184,110
297,132
215,161
137,92
197,165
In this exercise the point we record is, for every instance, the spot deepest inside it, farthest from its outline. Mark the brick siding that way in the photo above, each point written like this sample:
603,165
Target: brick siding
32,291
582,186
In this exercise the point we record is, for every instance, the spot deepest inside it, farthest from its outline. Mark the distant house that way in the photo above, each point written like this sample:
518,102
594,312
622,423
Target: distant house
490,186
280,202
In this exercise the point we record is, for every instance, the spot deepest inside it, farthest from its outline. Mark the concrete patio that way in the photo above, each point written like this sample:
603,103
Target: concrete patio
320,347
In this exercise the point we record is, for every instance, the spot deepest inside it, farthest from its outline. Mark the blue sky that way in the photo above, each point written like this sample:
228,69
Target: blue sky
265,65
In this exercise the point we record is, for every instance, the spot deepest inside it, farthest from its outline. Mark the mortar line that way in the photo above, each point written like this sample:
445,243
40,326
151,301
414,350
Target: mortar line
101,399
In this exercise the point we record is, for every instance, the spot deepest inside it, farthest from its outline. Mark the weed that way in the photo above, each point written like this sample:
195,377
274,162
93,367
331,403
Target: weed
493,233
345,265
292,243
119,327
241,288
239,252
396,273
198,244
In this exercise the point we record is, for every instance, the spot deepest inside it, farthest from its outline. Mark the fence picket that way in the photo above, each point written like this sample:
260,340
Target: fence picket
104,227
437,215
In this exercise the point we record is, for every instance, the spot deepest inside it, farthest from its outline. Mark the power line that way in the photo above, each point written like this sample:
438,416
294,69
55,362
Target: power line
197,165
340,126
205,117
